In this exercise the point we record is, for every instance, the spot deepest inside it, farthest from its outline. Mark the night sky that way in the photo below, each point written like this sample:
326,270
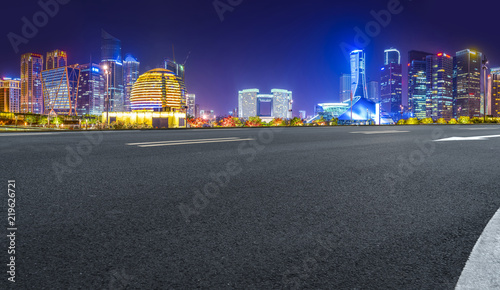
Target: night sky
286,44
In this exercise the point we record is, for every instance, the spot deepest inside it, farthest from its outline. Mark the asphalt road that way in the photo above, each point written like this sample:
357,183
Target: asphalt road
322,208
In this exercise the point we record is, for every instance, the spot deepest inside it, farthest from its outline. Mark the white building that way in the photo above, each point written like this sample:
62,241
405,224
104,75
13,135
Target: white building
251,103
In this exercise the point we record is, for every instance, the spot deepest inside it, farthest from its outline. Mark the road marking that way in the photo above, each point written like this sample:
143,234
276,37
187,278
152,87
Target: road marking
24,134
188,142
473,138
473,129
482,268
379,132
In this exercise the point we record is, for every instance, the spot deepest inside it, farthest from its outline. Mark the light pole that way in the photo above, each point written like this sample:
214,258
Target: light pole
485,67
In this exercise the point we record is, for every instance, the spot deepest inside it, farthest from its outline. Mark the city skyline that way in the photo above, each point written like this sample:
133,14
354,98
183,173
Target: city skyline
322,54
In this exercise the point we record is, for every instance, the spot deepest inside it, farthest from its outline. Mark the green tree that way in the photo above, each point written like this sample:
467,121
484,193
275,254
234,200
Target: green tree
31,119
43,121
57,120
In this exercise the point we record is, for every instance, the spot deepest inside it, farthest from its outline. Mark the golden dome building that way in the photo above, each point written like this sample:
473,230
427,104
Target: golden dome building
157,99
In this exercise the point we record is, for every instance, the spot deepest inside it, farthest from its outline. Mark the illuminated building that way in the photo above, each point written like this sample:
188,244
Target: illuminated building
112,60
10,93
278,104
440,86
91,90
362,111
391,89
31,83
60,90
417,83
495,92
247,103
156,99
191,103
358,74
345,87
467,85
130,75
374,91
197,111
55,59
302,115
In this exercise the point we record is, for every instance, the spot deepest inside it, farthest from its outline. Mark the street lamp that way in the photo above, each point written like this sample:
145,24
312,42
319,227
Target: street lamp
485,67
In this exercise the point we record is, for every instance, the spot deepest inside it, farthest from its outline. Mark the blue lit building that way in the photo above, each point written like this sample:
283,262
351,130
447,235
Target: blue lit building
358,74
111,62
91,90
130,76
417,83
60,90
391,85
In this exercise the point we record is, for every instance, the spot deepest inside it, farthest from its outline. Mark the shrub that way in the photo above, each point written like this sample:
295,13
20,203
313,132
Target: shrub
427,121
296,122
453,121
412,121
401,122
334,122
441,121
464,120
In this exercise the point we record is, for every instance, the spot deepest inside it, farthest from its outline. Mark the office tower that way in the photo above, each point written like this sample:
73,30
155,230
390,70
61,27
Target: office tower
358,74
374,91
282,104
55,59
247,103
130,76
10,94
91,90
197,113
60,89
191,101
440,86
31,83
467,83
417,83
494,91
391,86
345,87
302,115
179,71
111,63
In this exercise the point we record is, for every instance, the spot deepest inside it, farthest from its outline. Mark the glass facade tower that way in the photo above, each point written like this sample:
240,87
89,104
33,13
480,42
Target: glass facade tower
111,59
91,90
495,92
10,93
345,87
467,83
55,59
31,83
358,74
130,76
391,86
440,86
417,83
60,90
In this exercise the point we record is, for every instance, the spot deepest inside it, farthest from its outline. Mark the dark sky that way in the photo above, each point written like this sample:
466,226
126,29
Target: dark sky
263,44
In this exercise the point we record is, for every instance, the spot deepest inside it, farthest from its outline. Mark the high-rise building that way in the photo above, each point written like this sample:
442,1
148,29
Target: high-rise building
494,91
179,71
358,74
345,87
374,91
417,83
10,94
467,83
278,104
91,90
391,86
247,103
55,59
31,83
130,76
111,63
282,104
440,86
302,115
60,89
197,113
191,102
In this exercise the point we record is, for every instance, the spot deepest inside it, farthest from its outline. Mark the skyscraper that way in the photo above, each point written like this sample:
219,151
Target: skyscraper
467,85
60,89
55,59
111,62
179,71
10,93
191,102
358,74
440,86
31,83
374,91
391,86
130,76
417,83
495,92
282,104
247,103
91,90
302,115
345,87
